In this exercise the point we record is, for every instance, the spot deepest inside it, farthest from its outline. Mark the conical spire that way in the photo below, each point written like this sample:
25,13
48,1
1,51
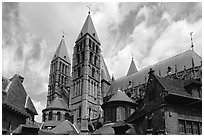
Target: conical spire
62,51
132,68
88,28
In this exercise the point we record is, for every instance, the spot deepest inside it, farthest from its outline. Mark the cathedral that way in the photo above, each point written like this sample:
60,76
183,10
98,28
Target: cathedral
78,95
83,92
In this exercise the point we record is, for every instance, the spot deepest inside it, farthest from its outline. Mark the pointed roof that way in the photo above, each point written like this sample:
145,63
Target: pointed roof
62,51
65,127
16,97
88,28
104,71
132,68
120,96
58,103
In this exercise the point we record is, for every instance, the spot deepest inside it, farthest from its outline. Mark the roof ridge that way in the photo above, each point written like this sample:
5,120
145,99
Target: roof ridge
158,63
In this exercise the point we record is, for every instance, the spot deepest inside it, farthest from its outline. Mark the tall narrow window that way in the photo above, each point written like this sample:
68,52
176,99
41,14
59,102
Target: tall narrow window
82,56
50,115
120,113
58,116
93,72
66,116
95,60
79,71
188,127
90,57
90,43
195,128
182,126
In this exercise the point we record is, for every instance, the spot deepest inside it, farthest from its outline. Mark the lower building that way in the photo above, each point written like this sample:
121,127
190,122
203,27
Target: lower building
171,106
56,113
17,106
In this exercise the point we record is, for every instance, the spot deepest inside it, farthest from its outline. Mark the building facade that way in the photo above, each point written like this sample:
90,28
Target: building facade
17,106
171,106
83,91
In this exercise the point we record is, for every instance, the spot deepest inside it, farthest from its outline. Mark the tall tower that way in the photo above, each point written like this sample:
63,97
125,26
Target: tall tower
86,76
59,78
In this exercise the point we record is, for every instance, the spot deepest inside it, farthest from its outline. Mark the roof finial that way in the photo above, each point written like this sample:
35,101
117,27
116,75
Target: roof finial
191,34
132,56
63,34
89,7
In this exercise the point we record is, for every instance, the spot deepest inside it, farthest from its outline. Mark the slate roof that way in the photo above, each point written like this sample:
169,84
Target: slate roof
51,123
180,60
58,103
176,86
16,97
29,105
119,96
65,127
89,28
62,52
132,68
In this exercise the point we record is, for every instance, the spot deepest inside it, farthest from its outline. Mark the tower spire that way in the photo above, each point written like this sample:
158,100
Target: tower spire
132,68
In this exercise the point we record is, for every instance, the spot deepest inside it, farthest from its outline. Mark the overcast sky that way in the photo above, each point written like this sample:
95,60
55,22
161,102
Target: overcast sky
150,31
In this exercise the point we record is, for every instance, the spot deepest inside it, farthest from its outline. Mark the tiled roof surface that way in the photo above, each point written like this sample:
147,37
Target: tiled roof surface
16,96
89,28
64,127
58,103
29,105
180,60
120,96
62,52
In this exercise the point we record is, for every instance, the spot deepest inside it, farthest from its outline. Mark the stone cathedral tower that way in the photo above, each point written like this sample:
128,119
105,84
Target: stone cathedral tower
59,78
86,97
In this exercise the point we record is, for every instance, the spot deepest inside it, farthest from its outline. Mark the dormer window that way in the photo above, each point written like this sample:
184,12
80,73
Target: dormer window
65,57
94,34
81,33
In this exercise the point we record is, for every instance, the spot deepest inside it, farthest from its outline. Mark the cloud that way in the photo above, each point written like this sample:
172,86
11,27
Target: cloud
30,36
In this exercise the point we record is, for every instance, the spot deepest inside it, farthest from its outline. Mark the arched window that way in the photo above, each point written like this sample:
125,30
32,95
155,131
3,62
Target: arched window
50,115
79,71
95,60
91,57
120,113
93,72
66,116
58,116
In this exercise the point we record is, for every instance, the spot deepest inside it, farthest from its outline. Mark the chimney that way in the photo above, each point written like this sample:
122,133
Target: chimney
169,70
151,71
21,78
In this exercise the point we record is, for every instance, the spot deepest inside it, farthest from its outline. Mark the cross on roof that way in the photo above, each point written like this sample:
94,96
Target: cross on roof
63,34
191,34
89,7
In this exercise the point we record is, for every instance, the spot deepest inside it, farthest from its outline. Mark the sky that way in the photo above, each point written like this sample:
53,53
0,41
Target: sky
148,32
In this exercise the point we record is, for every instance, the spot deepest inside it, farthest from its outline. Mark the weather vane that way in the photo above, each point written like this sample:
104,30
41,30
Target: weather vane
132,56
89,7
191,34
